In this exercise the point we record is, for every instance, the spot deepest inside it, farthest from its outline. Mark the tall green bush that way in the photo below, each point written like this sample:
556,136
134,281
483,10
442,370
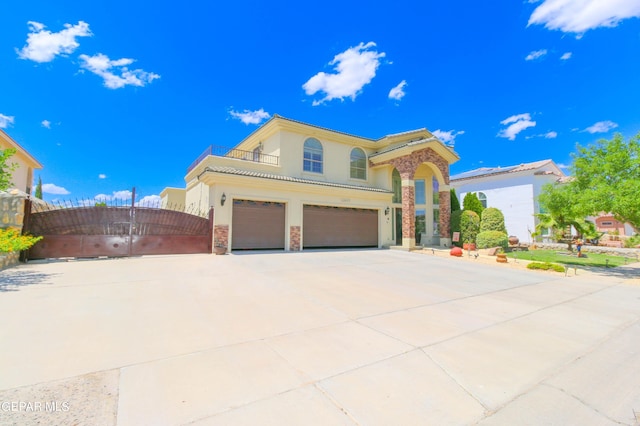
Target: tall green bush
455,203
471,202
455,225
469,226
492,219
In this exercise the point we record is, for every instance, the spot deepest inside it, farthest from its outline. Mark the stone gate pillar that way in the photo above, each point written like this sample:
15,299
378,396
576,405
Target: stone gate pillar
444,197
408,212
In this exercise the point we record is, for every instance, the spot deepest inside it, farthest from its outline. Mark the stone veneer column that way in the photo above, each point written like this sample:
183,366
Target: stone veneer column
294,238
221,236
444,198
408,214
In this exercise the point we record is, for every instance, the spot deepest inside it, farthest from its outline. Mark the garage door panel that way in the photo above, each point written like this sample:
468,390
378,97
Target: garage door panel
339,227
258,225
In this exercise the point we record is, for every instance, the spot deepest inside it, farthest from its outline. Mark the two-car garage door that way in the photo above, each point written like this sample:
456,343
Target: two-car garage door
261,225
324,226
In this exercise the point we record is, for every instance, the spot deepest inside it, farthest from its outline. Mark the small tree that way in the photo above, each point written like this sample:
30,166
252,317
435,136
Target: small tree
6,168
471,202
455,203
492,219
469,226
39,188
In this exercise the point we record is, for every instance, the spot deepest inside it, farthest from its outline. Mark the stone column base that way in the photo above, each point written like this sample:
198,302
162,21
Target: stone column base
408,243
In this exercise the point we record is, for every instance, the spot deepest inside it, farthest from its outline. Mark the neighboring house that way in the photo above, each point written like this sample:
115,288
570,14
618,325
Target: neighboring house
291,185
22,177
514,190
609,225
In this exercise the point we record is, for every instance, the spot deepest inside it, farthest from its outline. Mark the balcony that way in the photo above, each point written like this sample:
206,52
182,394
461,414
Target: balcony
221,151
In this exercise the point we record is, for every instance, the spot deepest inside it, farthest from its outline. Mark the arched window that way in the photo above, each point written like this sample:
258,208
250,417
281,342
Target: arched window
483,199
312,156
396,185
358,164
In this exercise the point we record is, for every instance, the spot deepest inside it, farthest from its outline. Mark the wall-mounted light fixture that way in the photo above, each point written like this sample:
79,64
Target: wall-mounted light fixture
223,199
386,211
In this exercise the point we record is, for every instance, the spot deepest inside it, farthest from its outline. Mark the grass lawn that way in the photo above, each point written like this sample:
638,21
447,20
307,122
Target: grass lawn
553,256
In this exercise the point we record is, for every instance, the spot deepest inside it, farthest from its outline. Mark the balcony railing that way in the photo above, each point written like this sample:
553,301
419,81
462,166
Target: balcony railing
221,151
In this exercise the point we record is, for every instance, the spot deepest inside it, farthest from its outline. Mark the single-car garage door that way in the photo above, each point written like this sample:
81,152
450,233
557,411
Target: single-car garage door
257,225
324,226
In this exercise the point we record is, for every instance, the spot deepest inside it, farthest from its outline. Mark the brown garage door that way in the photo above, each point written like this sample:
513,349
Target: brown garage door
339,227
257,225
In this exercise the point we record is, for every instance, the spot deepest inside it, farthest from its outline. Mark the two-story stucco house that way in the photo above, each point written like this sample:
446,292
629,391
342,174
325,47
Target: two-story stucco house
22,177
513,189
291,185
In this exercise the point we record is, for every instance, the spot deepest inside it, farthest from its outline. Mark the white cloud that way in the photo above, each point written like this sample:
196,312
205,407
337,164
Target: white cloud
579,16
563,166
517,123
566,56
115,73
6,121
250,117
43,45
49,188
398,92
551,135
102,176
117,195
149,201
447,137
355,68
601,127
46,124
536,54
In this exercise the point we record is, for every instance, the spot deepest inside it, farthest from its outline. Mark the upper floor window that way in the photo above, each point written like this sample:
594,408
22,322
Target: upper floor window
419,187
358,164
483,199
312,156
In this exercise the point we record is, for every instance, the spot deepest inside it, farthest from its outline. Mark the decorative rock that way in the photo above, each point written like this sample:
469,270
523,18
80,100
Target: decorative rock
456,251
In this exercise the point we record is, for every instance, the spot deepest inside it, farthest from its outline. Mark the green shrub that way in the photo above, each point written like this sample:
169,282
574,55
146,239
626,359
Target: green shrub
545,266
469,226
471,202
486,239
492,219
631,242
455,225
455,203
11,240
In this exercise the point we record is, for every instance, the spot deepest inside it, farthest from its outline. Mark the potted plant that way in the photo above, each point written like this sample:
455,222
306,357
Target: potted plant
469,227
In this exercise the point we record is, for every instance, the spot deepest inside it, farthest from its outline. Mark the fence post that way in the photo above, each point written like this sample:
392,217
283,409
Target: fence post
132,220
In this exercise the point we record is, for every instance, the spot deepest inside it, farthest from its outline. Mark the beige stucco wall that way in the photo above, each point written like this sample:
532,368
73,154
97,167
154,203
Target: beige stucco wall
173,197
22,177
295,195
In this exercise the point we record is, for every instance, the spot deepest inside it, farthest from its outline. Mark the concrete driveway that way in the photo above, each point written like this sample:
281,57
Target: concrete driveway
367,337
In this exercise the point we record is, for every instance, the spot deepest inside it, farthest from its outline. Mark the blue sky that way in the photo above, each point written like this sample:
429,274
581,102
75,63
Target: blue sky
111,95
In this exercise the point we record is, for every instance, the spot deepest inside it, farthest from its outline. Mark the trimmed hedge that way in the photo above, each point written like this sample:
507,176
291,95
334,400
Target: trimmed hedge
487,239
545,266
492,219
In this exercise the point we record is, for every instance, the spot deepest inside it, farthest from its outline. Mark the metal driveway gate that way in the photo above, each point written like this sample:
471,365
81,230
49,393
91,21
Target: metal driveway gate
72,231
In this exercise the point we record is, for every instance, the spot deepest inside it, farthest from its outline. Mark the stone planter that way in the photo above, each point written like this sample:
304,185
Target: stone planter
220,250
513,240
501,258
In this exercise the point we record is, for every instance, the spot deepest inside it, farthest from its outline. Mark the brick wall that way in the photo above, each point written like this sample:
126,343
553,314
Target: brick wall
221,236
294,238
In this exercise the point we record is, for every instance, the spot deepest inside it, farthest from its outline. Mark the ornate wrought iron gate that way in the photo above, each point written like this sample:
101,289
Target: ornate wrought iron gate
117,231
